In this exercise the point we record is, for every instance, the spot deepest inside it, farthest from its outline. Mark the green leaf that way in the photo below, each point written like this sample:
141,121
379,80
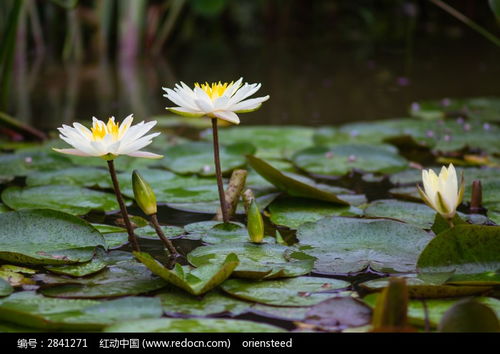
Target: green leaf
197,157
293,212
463,249
30,309
108,229
217,232
5,288
469,316
302,291
341,159
83,269
74,176
296,185
348,245
412,213
441,224
123,276
70,199
28,161
257,261
177,302
46,237
339,312
195,281
177,325
149,232
271,142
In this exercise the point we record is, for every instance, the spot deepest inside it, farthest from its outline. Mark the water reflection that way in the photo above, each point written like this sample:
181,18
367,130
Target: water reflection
310,82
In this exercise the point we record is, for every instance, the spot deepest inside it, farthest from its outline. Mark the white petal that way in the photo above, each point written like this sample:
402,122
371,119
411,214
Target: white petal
145,154
249,104
71,152
228,116
205,106
186,112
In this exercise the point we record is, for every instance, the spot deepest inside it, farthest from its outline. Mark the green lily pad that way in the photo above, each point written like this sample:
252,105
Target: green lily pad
348,245
46,237
171,188
435,308
336,313
197,157
479,279
30,309
4,208
123,276
296,185
270,141
217,232
463,249
83,269
108,229
115,239
16,275
5,288
469,316
211,207
257,261
417,214
339,160
301,291
293,212
71,199
178,325
428,287
177,302
74,176
27,161
149,232
286,313
195,281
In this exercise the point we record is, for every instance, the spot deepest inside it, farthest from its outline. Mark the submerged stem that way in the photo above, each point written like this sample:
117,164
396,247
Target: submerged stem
116,186
161,235
218,172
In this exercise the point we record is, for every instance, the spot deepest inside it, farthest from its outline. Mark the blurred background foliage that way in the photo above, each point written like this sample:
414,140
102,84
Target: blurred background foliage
206,36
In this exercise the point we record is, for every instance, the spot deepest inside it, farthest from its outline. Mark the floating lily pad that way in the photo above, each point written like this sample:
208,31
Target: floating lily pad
257,261
83,269
195,281
296,185
116,239
348,245
211,207
108,229
197,157
4,208
338,313
27,161
302,291
217,232
417,214
270,141
178,325
71,199
30,309
435,308
479,279
293,212
463,249
149,232
286,313
479,108
75,176
339,160
46,237
177,302
5,288
15,275
123,276
429,288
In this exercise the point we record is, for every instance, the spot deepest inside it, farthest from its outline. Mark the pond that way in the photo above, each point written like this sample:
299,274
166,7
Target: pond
337,224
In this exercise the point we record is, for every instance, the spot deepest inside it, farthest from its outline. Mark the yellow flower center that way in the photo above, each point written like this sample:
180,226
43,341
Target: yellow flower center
100,130
214,90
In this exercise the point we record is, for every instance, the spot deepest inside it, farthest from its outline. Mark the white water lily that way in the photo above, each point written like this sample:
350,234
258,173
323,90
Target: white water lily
108,140
442,193
215,100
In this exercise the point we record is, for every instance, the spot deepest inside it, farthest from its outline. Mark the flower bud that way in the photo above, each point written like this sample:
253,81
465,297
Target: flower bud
255,223
143,193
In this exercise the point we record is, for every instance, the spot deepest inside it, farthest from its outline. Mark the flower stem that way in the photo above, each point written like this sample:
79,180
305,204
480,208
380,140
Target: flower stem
161,235
218,172
131,236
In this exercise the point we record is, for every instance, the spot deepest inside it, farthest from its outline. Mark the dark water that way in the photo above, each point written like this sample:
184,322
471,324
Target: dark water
310,82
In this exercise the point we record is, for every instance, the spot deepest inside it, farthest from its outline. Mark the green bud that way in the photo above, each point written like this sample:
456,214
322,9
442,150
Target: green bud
255,224
143,193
